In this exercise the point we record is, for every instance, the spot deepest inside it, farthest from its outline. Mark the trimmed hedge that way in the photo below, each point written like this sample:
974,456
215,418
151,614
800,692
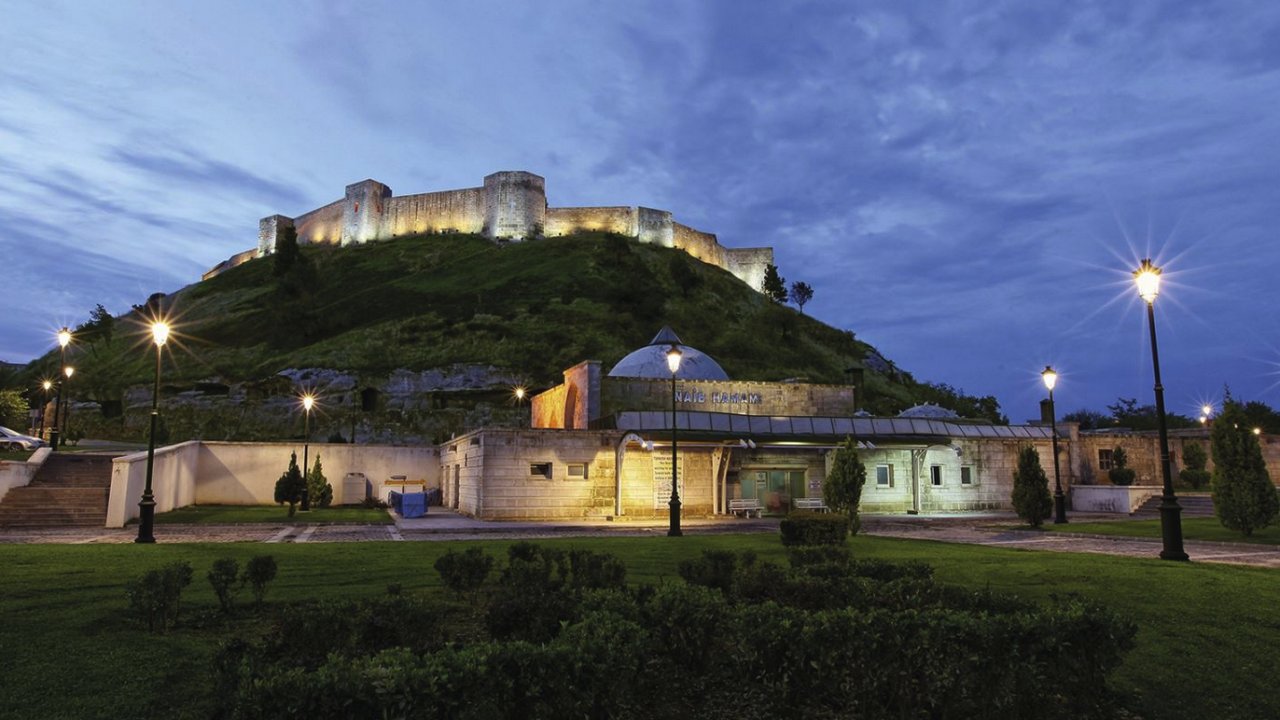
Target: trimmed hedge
827,637
814,528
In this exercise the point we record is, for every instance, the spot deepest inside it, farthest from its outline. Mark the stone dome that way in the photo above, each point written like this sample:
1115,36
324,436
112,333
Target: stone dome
929,411
650,361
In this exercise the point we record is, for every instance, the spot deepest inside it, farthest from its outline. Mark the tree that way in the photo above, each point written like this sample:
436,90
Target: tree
801,294
1244,497
1031,498
1194,475
682,273
287,252
1121,473
774,286
14,413
842,488
319,491
1126,412
289,486
101,325
1088,419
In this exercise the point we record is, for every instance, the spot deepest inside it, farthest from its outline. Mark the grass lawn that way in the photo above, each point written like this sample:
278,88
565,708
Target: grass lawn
1208,644
274,514
16,455
1198,528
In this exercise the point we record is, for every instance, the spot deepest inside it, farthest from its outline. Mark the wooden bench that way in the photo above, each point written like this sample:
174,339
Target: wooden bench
745,507
811,504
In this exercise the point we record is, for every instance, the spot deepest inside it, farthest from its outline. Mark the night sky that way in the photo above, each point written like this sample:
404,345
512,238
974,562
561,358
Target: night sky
967,186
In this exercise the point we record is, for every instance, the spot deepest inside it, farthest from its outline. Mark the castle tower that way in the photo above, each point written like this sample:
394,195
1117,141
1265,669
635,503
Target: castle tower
269,229
362,211
515,205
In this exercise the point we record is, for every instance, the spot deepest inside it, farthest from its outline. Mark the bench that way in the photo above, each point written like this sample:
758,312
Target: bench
815,504
745,507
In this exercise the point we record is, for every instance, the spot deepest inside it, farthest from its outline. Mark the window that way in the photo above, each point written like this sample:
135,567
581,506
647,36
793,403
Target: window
577,471
884,476
540,471
935,475
1104,460
966,475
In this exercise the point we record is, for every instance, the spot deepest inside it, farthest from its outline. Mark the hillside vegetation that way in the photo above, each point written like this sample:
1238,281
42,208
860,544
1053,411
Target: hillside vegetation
533,308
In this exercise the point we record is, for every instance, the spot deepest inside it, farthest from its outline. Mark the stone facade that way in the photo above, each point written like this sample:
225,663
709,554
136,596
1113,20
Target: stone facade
511,205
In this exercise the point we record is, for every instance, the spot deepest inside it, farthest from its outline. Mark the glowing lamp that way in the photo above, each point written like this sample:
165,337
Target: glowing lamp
1206,410
308,401
519,392
160,333
673,359
64,337
1147,276
1257,431
1050,377
47,385
69,371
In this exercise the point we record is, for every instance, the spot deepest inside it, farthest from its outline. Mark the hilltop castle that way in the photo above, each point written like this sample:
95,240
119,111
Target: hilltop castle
510,205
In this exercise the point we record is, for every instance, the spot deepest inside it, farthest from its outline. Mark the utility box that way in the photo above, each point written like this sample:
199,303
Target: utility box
355,488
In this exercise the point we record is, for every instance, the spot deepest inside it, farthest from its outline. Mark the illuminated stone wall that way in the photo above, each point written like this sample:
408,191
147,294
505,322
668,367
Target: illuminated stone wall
511,205
738,397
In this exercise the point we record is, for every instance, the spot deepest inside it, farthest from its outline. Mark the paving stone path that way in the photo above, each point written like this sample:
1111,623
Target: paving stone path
996,530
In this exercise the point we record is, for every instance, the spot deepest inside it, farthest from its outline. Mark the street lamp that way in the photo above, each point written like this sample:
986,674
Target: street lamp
45,385
1059,501
519,392
147,506
64,339
673,363
308,401
1147,277
67,372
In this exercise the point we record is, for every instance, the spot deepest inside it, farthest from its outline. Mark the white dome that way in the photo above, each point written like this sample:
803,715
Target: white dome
650,361
929,411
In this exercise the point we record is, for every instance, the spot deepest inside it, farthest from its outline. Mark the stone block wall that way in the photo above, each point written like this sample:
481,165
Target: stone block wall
322,226
748,264
655,227
703,246
744,398
641,498
515,205
567,221
438,212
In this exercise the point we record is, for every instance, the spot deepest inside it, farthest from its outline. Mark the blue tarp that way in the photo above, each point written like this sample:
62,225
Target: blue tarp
409,505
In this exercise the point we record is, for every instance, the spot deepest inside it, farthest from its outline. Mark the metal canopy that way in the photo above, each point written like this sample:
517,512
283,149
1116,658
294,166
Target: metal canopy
825,429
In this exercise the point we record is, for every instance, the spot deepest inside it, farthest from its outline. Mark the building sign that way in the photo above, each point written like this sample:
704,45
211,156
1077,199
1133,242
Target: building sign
718,398
662,481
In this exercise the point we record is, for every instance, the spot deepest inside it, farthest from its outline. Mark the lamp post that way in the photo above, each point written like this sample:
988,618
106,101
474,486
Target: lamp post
519,392
45,385
1059,500
147,506
64,339
67,372
308,401
1147,277
673,363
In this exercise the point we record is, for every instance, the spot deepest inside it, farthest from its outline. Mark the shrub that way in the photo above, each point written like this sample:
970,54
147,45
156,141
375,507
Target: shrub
1121,473
715,569
373,503
842,488
1031,498
289,486
155,596
1244,498
1194,475
319,491
812,528
223,577
464,572
260,571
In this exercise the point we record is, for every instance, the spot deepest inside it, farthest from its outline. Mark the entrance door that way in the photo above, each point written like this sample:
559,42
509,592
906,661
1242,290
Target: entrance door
775,489
457,473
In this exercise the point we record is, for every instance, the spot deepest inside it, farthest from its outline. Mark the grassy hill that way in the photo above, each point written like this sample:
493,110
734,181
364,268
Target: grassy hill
533,308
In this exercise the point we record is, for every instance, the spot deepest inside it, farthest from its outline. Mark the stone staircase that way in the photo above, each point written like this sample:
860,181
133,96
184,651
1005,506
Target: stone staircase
1192,506
69,490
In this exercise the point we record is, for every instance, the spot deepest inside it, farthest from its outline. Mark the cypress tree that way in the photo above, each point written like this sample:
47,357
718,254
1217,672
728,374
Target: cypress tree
774,287
842,488
1031,498
1244,497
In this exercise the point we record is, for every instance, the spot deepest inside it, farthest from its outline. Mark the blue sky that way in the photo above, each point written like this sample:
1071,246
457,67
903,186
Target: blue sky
966,185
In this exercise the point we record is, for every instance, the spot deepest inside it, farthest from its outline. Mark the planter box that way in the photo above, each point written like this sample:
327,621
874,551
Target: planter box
1112,498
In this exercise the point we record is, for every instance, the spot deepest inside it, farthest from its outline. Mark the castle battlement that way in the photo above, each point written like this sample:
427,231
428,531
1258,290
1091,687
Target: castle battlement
510,205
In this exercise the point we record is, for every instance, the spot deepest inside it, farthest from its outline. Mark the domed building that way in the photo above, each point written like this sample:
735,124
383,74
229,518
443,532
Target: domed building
650,361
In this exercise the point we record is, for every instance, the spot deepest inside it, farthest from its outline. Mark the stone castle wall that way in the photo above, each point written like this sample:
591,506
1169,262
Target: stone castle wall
510,205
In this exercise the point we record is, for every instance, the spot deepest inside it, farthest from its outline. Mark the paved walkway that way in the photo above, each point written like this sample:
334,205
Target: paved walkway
996,529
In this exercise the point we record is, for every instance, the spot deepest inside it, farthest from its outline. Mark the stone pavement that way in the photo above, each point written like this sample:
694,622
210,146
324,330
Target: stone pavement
993,529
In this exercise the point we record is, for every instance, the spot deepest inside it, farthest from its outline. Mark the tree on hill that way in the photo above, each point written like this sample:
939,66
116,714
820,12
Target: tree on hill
1031,498
774,286
287,252
101,326
801,294
1244,497
842,488
682,273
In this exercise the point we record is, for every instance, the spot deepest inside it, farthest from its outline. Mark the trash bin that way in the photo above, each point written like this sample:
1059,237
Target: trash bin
413,505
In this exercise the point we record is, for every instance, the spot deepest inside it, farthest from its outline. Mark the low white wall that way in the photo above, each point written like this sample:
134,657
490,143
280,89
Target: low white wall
1112,498
19,474
229,473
